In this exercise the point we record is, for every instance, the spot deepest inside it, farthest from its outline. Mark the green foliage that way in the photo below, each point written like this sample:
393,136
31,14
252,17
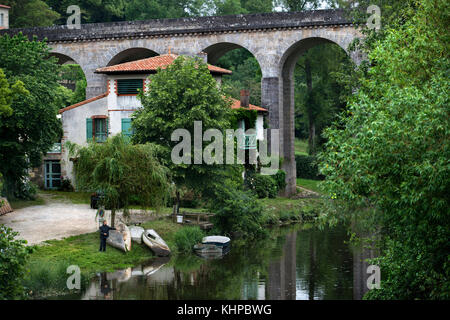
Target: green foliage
120,170
13,258
187,237
280,179
33,127
307,167
177,96
8,93
262,186
237,211
30,13
391,153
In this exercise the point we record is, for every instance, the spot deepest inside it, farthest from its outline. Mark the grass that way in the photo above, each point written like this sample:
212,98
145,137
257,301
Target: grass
282,209
82,250
20,204
301,147
309,184
73,197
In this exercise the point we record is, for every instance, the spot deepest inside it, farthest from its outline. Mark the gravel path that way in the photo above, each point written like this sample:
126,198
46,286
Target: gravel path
56,219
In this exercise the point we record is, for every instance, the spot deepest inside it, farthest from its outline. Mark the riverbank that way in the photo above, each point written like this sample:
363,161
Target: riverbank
49,261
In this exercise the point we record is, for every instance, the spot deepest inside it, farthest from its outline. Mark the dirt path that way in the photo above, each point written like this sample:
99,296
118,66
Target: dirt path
56,219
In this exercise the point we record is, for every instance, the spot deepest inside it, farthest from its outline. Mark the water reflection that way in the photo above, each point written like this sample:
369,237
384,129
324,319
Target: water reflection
292,264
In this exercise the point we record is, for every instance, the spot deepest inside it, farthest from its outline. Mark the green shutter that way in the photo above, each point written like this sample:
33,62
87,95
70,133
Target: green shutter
126,128
107,127
89,133
129,86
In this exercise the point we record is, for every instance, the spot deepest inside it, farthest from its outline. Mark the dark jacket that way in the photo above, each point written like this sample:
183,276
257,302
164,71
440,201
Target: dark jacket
105,229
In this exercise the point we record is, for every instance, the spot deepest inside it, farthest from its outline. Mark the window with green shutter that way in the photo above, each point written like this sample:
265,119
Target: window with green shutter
101,131
129,86
89,132
127,130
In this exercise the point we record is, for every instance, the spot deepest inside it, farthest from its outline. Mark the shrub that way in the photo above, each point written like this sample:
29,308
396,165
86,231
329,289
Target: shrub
280,179
237,211
187,237
263,186
307,167
66,185
13,258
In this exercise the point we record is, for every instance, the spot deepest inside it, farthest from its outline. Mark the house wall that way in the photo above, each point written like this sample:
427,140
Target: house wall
260,127
74,127
5,13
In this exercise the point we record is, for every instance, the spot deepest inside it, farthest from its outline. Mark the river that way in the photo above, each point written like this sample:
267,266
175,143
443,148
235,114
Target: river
294,263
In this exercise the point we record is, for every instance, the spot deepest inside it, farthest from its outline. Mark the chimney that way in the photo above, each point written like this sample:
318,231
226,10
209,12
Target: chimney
4,16
245,98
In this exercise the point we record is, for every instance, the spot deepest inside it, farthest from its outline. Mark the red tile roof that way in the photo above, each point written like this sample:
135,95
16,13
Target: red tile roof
237,105
83,102
150,65
3,6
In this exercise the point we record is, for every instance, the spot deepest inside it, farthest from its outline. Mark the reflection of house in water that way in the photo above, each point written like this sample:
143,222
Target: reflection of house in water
281,284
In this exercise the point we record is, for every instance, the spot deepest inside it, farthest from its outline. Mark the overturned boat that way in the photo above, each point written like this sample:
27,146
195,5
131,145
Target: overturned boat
120,238
219,241
136,233
155,243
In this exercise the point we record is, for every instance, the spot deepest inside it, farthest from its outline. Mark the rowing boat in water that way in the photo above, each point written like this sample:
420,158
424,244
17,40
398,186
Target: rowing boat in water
155,243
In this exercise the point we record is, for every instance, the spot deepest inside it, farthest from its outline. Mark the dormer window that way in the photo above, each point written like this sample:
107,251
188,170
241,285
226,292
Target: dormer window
129,86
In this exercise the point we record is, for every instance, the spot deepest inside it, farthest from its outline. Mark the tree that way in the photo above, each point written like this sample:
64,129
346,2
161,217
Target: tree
30,13
390,153
122,171
178,96
8,94
13,258
33,127
318,91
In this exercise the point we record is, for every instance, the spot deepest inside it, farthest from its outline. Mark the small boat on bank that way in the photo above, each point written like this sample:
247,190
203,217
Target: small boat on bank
120,238
155,243
136,233
219,241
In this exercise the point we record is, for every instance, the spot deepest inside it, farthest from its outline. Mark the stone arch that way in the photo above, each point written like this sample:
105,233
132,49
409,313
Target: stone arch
287,101
131,54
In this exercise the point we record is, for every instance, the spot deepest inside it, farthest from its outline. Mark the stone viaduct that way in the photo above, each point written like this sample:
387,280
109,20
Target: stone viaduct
276,40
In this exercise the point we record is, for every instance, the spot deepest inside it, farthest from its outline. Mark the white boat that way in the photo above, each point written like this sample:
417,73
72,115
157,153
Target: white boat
120,238
155,243
136,233
219,241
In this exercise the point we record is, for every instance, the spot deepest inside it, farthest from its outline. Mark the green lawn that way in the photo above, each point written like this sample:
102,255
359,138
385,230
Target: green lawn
309,184
301,147
20,204
74,197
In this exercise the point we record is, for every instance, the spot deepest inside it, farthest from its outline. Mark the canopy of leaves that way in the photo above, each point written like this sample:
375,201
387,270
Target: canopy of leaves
33,127
176,97
391,151
30,13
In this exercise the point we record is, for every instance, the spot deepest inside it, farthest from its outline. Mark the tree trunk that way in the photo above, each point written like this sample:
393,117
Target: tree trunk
113,217
178,202
309,108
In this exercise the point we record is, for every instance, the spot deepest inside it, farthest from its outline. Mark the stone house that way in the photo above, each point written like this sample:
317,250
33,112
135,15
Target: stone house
111,113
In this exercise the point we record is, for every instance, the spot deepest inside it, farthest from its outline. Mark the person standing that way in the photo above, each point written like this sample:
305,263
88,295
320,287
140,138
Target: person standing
104,234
